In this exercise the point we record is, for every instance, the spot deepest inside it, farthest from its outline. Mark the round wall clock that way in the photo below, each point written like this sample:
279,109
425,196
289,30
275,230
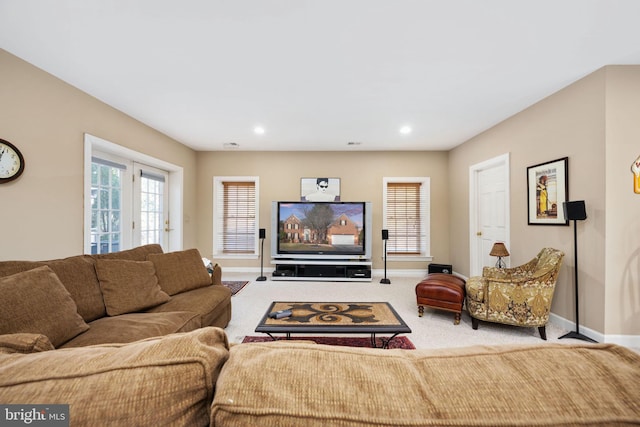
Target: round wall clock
11,162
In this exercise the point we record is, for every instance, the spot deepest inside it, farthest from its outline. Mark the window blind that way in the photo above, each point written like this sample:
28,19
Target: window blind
239,217
151,175
403,218
109,163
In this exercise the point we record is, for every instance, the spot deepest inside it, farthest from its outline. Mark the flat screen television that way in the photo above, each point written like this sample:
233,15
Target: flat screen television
321,230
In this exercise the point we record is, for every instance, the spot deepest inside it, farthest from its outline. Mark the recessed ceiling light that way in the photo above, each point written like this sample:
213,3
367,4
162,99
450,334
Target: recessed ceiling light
258,130
405,130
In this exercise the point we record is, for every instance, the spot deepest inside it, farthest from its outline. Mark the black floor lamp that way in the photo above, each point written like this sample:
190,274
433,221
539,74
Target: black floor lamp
575,211
262,234
385,237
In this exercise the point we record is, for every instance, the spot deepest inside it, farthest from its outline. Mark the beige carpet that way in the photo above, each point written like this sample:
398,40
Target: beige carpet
434,330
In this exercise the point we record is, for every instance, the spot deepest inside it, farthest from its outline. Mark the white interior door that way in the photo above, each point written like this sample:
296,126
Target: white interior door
489,210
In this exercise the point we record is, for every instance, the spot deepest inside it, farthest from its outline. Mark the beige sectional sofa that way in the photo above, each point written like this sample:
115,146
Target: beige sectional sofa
197,379
112,298
126,340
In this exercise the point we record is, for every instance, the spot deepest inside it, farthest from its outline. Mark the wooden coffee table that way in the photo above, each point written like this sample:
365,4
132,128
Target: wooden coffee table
335,318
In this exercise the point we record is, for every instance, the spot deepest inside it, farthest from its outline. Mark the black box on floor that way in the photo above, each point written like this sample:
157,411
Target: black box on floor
358,272
440,268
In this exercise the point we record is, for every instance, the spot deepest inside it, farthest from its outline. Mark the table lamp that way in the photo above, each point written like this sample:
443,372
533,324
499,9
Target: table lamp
499,250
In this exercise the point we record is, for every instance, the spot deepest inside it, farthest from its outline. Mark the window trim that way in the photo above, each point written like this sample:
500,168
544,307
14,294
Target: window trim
218,213
176,182
425,216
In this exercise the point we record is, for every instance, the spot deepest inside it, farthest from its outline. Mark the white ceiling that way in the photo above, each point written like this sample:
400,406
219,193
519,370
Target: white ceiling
320,74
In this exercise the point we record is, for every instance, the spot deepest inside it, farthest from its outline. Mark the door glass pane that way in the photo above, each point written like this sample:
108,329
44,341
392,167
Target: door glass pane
152,214
106,202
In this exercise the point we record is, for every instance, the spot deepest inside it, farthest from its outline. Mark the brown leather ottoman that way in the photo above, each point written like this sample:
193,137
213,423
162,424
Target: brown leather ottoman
441,291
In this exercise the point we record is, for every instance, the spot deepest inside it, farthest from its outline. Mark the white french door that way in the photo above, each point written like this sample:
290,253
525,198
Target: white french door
118,216
129,204
150,206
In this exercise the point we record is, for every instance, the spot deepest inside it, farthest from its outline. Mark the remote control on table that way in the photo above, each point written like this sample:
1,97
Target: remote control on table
280,314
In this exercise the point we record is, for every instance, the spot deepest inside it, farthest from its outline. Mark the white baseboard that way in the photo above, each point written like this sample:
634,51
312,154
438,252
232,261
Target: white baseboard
245,270
623,340
399,273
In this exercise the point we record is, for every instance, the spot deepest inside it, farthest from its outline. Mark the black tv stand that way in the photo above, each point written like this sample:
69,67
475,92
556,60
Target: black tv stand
326,270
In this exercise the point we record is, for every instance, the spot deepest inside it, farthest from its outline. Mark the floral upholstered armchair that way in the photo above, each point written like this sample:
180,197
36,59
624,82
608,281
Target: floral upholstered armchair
518,296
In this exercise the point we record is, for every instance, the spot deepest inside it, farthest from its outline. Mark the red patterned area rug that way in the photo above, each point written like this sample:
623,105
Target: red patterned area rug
398,342
234,286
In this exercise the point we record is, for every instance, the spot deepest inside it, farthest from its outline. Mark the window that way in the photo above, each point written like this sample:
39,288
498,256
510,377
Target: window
235,216
107,190
406,216
122,212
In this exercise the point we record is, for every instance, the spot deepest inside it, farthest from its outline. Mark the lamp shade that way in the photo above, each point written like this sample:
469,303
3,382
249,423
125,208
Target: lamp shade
499,249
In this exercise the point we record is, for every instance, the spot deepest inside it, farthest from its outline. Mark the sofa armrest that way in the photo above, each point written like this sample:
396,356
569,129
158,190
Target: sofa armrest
24,343
158,381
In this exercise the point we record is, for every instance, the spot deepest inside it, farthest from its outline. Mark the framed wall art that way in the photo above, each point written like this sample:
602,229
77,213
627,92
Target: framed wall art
547,190
320,189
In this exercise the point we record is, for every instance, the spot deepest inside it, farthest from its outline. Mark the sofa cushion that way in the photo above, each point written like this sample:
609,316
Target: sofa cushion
163,381
180,271
35,301
77,274
135,326
128,286
24,343
139,253
319,385
213,303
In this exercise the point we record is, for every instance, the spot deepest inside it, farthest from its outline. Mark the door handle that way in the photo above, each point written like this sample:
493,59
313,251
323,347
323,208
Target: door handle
479,233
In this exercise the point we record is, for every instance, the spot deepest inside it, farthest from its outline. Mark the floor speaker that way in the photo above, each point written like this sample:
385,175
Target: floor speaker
385,237
262,234
575,210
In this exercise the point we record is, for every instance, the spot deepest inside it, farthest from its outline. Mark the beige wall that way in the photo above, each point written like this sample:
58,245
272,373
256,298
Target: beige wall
360,176
594,123
42,212
622,226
